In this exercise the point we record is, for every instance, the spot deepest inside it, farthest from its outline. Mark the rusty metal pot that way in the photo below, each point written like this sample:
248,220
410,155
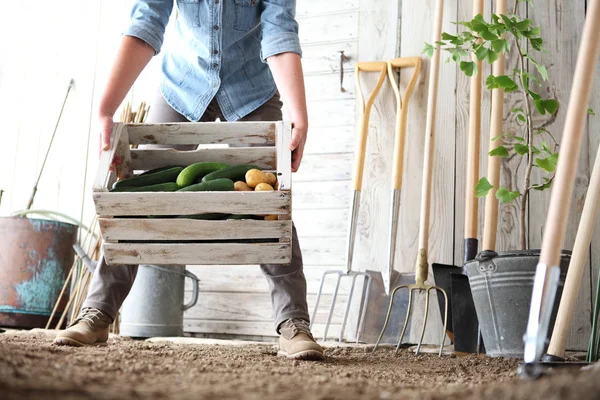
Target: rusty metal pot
35,258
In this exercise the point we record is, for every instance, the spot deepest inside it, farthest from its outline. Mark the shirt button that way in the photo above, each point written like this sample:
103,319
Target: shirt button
215,65
215,51
216,27
217,1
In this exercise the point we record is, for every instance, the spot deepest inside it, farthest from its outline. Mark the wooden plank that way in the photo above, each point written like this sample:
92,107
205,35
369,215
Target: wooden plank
312,7
143,159
330,252
180,203
114,229
562,40
238,133
318,58
284,156
326,86
324,167
321,223
325,195
328,27
331,113
330,140
416,28
197,253
106,158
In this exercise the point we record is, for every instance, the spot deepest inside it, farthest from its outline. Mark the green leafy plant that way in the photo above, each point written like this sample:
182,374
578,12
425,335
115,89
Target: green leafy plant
486,41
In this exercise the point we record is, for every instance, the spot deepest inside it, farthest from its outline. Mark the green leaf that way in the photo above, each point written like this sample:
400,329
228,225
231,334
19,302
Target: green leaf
498,45
551,105
502,81
517,138
487,35
481,52
478,23
521,118
543,71
536,151
492,56
517,110
542,186
468,67
523,25
483,187
496,138
546,148
499,151
539,104
547,164
428,50
537,43
591,111
534,95
505,195
521,149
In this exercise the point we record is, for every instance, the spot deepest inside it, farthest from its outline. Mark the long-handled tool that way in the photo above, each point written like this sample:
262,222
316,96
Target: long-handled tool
556,350
548,270
398,163
463,327
359,163
422,266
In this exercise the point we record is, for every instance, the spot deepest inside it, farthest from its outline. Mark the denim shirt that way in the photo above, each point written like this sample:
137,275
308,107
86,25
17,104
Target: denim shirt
219,50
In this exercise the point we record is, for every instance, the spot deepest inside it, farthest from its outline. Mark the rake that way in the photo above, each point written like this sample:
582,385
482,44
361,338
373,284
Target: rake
421,266
361,147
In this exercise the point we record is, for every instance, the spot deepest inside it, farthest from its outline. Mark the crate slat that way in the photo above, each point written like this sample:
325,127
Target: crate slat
197,253
110,204
143,159
284,163
104,176
238,133
114,229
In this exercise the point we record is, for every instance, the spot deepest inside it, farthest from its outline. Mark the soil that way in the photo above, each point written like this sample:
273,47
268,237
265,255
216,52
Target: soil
31,367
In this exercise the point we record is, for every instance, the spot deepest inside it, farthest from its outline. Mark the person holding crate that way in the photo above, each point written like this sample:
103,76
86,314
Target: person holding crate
229,60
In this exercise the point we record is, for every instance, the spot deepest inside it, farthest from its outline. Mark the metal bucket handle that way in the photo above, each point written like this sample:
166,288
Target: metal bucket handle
195,284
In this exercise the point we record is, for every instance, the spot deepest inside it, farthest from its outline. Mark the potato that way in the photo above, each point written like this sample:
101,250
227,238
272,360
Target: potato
241,186
255,177
271,178
272,217
261,187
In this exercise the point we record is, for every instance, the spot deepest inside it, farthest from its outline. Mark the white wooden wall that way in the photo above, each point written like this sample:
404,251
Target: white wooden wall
68,39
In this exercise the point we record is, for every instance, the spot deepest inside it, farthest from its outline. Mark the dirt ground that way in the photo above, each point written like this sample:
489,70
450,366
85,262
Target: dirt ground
32,368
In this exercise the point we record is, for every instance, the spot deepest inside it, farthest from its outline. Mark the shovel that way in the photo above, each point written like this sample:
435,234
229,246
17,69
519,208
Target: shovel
463,327
548,270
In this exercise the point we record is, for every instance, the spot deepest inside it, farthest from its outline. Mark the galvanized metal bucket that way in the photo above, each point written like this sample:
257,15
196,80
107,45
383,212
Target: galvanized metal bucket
502,284
154,306
35,258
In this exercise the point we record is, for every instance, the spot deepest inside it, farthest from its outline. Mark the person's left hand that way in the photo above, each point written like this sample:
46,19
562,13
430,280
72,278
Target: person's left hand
299,132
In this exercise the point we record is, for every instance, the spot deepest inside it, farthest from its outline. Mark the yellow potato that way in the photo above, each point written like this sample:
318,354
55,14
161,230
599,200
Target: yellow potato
271,178
271,217
241,186
254,177
261,187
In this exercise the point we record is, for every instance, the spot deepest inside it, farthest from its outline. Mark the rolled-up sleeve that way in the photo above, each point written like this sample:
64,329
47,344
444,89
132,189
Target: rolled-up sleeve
149,19
279,28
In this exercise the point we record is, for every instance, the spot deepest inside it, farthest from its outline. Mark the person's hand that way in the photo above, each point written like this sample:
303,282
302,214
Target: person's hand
106,124
299,132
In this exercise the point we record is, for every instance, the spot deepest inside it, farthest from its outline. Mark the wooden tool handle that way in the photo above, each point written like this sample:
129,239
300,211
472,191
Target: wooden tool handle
491,203
434,69
562,188
361,140
577,264
474,143
401,112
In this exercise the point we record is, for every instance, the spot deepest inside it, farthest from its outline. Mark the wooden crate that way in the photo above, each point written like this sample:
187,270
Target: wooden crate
131,237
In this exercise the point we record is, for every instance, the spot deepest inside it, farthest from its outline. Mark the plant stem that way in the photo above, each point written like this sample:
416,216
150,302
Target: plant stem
527,179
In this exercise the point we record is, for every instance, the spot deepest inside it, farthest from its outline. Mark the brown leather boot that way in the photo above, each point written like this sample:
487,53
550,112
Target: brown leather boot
90,328
297,343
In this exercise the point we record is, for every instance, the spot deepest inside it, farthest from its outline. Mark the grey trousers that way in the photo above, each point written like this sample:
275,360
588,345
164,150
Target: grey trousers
111,283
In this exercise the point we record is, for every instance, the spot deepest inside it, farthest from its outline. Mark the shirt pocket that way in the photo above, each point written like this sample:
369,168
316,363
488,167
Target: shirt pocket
189,12
247,14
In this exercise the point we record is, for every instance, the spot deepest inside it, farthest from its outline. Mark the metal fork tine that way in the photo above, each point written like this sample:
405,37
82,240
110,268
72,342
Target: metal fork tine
345,318
406,319
443,338
332,307
427,292
363,312
318,299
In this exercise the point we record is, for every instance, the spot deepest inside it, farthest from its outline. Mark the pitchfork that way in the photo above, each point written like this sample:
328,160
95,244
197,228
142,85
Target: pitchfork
422,267
359,162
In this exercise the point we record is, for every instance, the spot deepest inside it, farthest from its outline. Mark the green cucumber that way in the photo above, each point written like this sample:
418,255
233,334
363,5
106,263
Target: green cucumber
168,175
217,185
159,187
234,172
155,170
207,216
244,216
194,172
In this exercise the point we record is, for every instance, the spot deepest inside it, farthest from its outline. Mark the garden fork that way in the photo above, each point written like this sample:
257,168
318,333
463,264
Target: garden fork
422,266
359,162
